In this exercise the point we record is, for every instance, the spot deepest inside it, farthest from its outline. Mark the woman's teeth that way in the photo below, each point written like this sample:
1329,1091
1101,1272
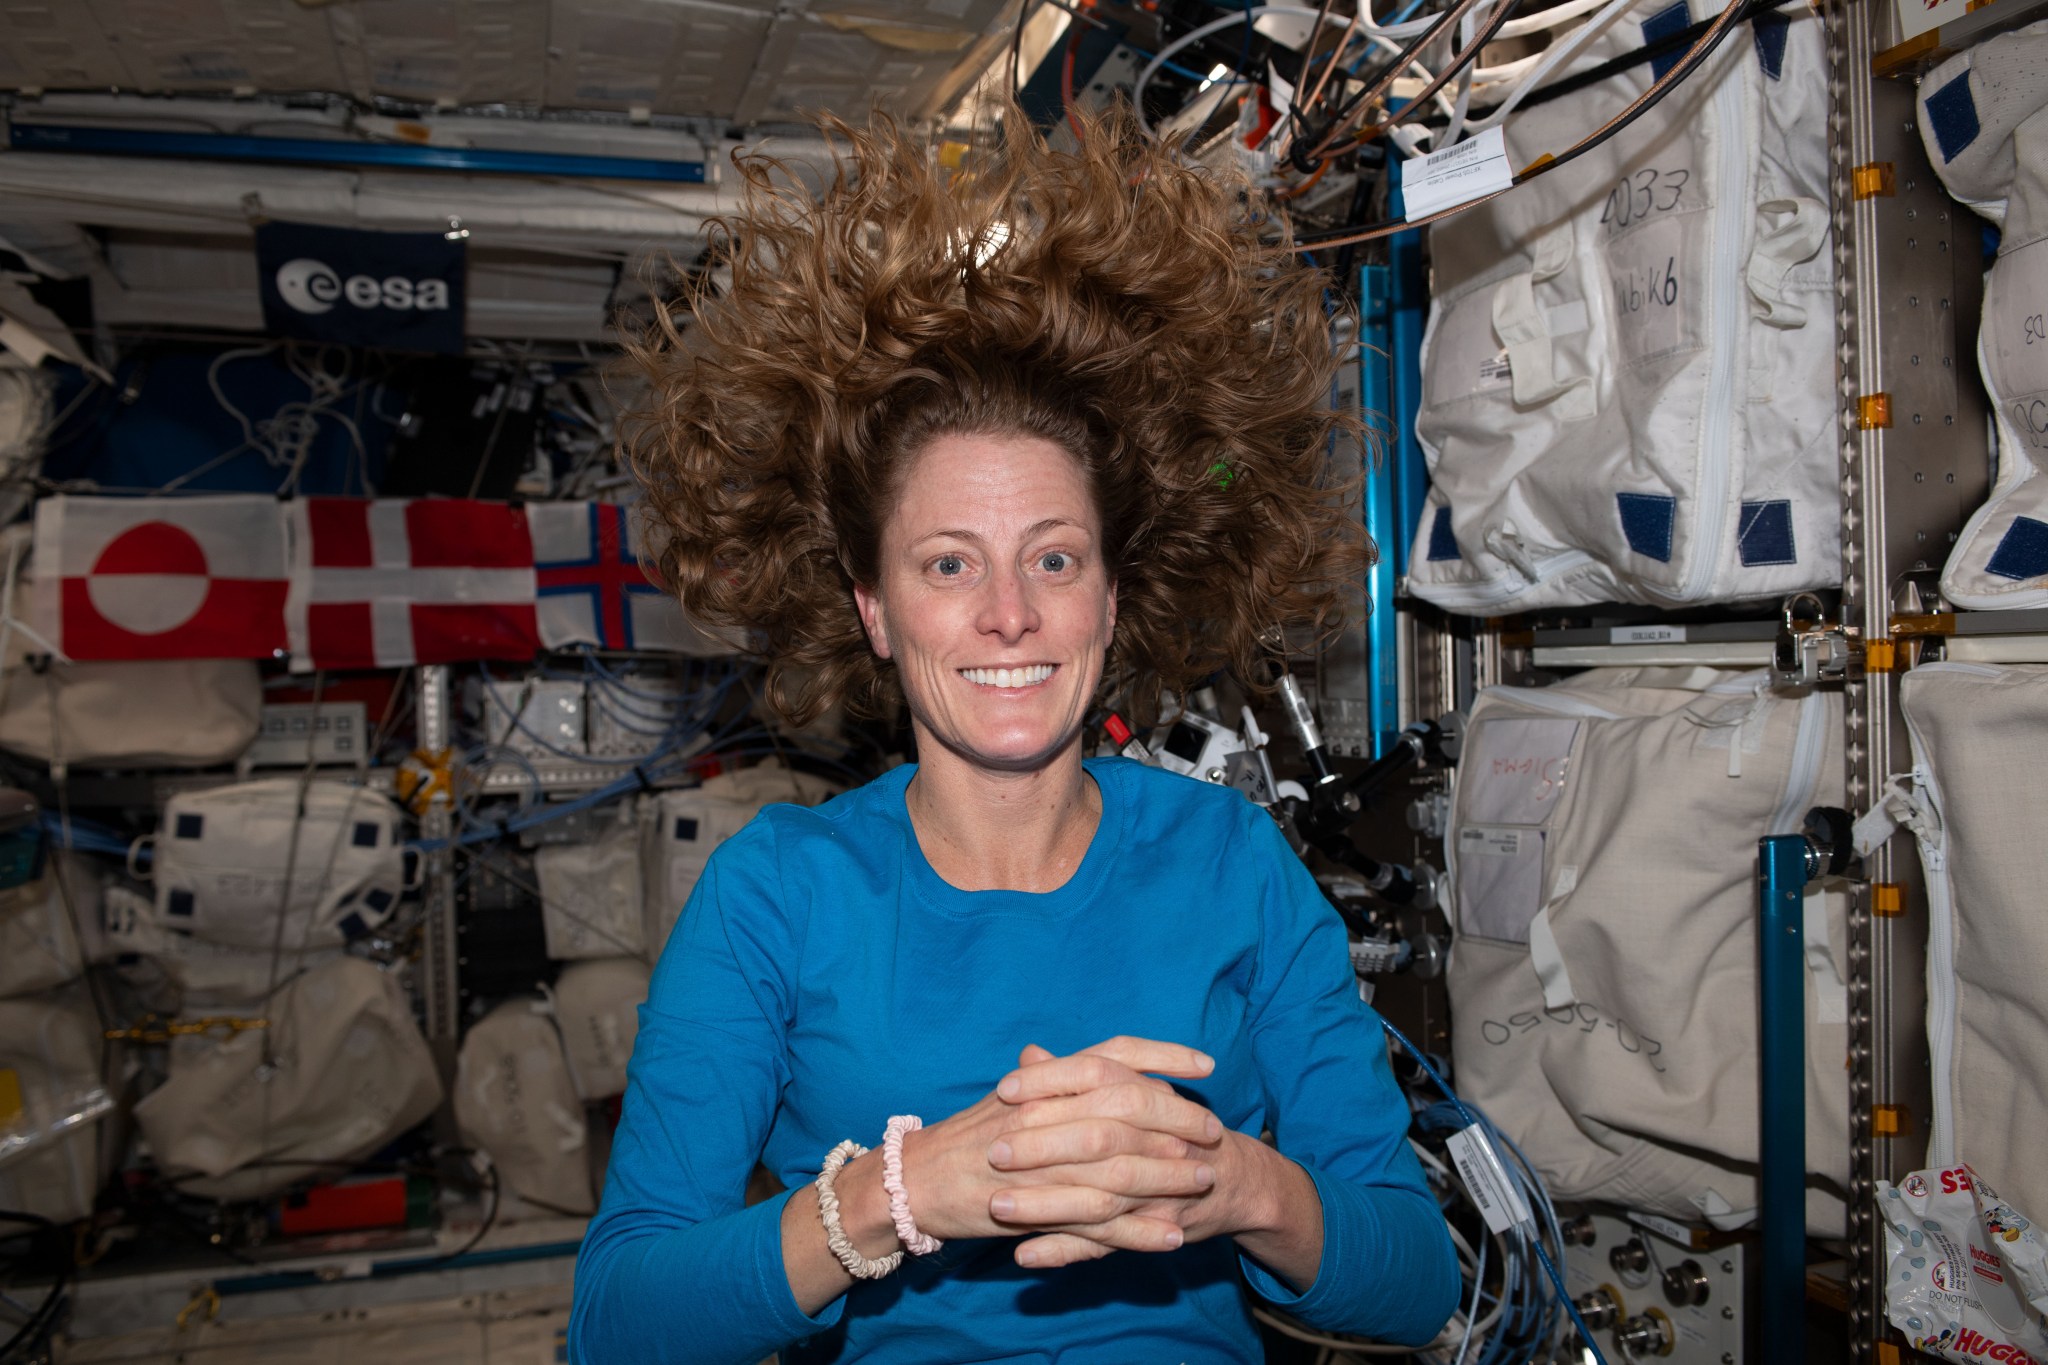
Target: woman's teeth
1028,676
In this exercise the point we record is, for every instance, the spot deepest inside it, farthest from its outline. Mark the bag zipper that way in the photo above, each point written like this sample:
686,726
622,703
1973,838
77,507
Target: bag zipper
1715,436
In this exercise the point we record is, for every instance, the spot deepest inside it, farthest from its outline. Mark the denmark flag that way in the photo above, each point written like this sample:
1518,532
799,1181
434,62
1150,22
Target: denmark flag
398,581
161,578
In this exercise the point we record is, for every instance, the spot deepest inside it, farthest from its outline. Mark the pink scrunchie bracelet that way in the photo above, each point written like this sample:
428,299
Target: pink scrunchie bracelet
892,1181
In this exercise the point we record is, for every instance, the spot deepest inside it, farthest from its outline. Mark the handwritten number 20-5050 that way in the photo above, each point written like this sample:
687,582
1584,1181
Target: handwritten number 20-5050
1637,196
1583,1017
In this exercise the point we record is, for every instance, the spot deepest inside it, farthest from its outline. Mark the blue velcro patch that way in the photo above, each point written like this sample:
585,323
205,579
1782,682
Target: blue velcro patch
1952,113
1442,544
1665,22
365,834
1766,534
1646,520
191,826
1770,29
686,828
181,904
2022,551
378,899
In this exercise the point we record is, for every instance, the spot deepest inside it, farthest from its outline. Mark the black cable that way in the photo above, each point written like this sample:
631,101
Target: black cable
1017,50
1676,77
1443,78
1380,80
45,1314
1648,52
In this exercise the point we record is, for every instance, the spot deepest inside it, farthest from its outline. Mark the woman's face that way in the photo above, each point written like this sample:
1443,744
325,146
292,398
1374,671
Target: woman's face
993,597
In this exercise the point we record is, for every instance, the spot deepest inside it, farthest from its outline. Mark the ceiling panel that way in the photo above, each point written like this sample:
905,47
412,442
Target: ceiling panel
735,60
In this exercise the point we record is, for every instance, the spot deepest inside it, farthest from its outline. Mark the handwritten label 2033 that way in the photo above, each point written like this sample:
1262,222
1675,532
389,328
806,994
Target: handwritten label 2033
1580,1017
1640,194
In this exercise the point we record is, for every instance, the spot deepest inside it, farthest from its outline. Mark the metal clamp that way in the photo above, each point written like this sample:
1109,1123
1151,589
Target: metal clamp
1812,648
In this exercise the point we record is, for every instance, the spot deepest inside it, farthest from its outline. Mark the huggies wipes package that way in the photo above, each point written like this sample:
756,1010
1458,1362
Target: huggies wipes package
1968,1275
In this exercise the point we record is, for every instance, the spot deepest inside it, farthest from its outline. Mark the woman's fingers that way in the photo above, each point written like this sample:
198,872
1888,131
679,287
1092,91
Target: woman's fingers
1134,1103
1100,1191
1131,1232
1040,1073
1146,1054
1081,1141
1059,1248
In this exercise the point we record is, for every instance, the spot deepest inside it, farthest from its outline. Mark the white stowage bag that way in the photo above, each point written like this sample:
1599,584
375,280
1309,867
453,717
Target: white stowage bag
169,713
1980,744
590,897
51,1100
515,1103
341,1070
177,973
1984,118
683,828
597,1005
1628,371
221,858
1603,848
41,925
1968,1273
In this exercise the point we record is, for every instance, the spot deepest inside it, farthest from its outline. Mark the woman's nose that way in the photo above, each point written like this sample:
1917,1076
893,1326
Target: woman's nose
1008,610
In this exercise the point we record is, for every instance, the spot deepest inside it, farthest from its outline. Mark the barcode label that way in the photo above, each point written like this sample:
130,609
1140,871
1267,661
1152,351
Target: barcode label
1496,1198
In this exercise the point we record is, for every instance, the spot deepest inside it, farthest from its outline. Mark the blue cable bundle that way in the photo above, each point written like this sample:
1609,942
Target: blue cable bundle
1526,1315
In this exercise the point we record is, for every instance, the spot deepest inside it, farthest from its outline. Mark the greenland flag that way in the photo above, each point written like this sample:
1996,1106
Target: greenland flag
399,581
161,578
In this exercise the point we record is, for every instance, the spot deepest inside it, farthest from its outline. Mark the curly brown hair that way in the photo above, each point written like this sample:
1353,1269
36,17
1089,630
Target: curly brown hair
1140,313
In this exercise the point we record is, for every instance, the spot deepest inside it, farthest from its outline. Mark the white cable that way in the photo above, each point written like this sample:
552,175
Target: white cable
1555,17
1557,54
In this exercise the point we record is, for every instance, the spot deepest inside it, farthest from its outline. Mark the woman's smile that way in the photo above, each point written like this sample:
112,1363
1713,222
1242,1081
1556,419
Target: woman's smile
1015,678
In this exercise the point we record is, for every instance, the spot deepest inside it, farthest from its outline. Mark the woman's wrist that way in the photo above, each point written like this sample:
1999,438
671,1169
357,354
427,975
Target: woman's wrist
864,1207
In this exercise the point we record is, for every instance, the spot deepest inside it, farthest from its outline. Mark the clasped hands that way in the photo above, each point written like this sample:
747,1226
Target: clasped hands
1090,1153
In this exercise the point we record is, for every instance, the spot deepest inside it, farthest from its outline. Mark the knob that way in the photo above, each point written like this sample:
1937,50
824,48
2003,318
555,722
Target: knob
1599,1307
1646,1334
1579,1231
1686,1286
1630,1258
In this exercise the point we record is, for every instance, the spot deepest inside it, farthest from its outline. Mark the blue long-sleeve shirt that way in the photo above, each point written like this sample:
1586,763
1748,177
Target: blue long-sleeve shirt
824,977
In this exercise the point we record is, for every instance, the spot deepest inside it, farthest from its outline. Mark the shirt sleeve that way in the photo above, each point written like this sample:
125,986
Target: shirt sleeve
1388,1268
674,1267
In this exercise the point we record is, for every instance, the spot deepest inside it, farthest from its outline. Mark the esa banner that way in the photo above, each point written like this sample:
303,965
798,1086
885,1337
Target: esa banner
401,290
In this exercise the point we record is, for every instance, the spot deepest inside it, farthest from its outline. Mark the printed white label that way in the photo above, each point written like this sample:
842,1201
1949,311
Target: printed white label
1647,635
1479,841
1496,1198
1664,1227
1456,175
1496,369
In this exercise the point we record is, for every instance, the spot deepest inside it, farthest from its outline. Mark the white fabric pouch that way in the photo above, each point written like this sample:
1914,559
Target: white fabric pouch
515,1102
590,897
339,1072
51,1101
222,858
1984,118
1628,368
40,926
597,1006
1980,740
683,828
1603,979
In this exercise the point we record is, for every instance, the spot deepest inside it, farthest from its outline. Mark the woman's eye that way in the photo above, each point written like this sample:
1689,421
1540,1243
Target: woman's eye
949,566
1054,561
